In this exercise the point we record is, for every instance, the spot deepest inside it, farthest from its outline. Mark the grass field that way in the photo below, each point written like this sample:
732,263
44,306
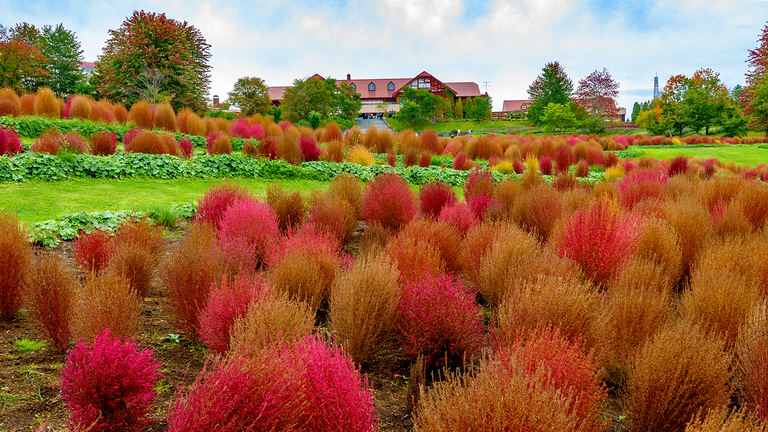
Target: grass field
464,125
35,201
751,155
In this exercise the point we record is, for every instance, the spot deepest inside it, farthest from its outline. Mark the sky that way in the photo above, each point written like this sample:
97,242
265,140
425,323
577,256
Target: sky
502,43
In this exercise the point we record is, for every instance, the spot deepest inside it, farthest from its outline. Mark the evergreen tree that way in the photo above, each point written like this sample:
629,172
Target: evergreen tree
458,109
469,109
635,111
62,49
552,86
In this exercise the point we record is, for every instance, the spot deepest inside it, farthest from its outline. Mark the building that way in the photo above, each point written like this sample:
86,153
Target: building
516,106
379,95
88,68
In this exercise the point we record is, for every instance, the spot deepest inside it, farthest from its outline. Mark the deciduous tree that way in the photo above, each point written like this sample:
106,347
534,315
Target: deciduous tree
597,93
21,59
306,96
251,95
64,54
552,86
758,70
558,117
150,49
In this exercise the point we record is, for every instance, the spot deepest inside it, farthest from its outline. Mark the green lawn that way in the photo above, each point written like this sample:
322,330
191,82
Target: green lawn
751,155
35,201
464,125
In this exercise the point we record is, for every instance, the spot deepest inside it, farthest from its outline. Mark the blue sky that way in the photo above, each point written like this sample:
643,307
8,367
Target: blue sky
502,42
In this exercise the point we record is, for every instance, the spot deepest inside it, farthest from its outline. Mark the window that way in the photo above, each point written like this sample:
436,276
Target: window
391,86
353,86
371,87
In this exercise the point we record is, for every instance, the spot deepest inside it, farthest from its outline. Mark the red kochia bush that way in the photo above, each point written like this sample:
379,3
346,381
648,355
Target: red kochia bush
565,366
641,185
211,207
545,165
459,215
103,143
434,197
10,143
110,384
600,239
92,251
439,319
187,150
15,262
389,201
247,228
50,299
227,302
678,165
309,149
483,206
478,183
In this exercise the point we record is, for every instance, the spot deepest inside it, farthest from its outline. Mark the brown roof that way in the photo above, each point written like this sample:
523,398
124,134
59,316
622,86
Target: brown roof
381,87
516,105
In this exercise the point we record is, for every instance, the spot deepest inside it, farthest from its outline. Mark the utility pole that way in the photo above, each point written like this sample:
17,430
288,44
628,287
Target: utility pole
486,83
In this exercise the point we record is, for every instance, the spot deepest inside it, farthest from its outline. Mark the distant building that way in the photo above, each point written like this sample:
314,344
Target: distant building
516,106
88,68
379,95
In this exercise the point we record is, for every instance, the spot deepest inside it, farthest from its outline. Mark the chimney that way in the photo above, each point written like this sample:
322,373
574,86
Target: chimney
215,101
349,77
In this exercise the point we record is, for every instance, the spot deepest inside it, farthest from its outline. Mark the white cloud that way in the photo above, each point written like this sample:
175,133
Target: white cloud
507,46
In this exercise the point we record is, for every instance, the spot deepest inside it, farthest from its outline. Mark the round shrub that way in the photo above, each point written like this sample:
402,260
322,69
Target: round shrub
92,250
439,319
16,257
247,228
141,115
103,143
389,202
109,385
458,215
165,118
10,105
216,201
79,107
10,142
434,197
47,104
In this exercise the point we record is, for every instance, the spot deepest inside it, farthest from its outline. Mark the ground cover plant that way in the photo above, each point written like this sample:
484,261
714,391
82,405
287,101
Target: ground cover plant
636,303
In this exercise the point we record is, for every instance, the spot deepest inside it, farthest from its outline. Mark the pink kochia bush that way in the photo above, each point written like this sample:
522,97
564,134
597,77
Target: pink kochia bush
187,150
389,201
110,384
228,301
10,143
309,148
434,197
309,386
439,319
92,250
247,228
640,185
459,215
216,201
483,205
600,239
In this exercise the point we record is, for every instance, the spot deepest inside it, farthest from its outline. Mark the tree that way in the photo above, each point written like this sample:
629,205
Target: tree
469,108
251,95
151,52
705,100
635,111
345,101
21,59
62,49
410,113
758,70
759,103
429,103
458,109
306,96
597,93
558,117
652,120
482,108
552,86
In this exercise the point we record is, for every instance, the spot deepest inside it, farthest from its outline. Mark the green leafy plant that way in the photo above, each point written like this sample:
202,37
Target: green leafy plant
28,345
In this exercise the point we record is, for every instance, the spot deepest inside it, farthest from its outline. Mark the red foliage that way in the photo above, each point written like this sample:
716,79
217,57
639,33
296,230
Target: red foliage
389,201
597,93
545,165
565,366
479,182
103,143
247,228
92,251
459,215
49,142
678,165
49,300
600,239
110,384
217,144
257,132
439,319
309,148
563,158
518,166
483,206
641,185
211,207
434,197
187,150
73,143
239,128
227,302
460,162
10,143
307,237
425,159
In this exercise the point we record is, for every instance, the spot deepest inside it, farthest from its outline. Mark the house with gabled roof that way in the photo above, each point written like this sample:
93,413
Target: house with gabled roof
384,94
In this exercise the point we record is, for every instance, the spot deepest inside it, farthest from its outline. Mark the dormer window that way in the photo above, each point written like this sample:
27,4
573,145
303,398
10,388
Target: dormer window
371,87
353,86
391,86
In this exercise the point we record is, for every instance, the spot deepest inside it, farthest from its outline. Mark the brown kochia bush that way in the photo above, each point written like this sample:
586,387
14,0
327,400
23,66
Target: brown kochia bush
753,201
484,401
751,361
290,207
27,102
9,103
660,243
141,115
190,123
165,118
692,223
306,274
47,104
188,275
15,264
49,299
350,189
273,320
121,114
80,107
363,306
676,373
335,216
106,301
568,303
721,420
135,264
537,210
636,307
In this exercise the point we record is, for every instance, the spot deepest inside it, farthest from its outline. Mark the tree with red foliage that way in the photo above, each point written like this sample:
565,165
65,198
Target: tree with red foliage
597,93
151,55
758,70
21,59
